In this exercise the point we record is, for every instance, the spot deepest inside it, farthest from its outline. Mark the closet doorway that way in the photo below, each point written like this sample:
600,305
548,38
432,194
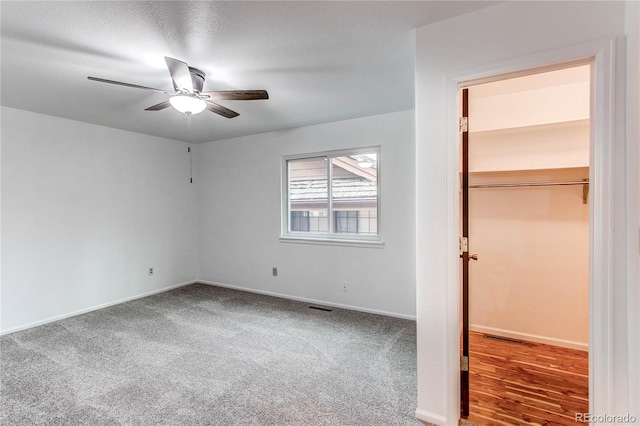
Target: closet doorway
527,264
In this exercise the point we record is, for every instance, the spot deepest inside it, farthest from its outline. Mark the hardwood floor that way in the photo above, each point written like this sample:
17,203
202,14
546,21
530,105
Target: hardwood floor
526,384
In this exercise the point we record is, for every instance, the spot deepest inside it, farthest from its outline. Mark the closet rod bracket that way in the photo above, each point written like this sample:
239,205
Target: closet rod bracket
585,191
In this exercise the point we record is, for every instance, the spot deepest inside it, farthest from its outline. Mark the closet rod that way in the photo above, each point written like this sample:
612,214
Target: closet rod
517,185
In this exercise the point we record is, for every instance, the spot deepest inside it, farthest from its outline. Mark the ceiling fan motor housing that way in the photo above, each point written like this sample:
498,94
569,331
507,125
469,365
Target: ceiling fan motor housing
197,78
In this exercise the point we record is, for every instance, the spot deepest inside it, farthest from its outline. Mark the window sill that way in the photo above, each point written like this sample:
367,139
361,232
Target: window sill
372,243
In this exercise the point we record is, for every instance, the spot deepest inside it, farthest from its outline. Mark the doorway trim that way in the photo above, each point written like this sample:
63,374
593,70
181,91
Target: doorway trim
600,54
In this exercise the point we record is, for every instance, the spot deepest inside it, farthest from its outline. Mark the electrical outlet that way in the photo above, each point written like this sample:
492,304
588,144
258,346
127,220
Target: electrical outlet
344,286
274,271
151,270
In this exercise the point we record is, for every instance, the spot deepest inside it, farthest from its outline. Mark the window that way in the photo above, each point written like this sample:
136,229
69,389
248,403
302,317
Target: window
300,221
332,195
347,221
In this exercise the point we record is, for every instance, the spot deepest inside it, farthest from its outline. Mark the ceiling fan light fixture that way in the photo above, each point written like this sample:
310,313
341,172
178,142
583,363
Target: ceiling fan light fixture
187,104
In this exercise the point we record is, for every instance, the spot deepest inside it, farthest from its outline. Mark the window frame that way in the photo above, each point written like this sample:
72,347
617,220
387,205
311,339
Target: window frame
334,238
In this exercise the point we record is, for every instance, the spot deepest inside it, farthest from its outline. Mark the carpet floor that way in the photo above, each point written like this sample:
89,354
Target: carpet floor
204,355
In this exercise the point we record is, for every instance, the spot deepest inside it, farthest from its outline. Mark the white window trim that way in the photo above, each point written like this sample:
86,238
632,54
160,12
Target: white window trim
329,238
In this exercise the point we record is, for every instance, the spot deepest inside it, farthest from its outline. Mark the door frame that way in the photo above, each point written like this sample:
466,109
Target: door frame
600,54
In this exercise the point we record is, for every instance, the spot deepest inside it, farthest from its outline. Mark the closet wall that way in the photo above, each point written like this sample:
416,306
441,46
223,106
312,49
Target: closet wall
531,279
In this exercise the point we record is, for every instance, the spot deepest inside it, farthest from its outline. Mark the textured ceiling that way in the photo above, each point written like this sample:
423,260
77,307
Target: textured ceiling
319,61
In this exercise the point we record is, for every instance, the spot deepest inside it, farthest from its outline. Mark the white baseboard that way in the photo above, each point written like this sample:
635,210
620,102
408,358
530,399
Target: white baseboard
307,300
93,308
431,418
530,337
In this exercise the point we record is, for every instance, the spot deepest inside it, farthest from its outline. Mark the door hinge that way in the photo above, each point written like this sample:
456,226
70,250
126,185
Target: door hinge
464,363
463,124
464,244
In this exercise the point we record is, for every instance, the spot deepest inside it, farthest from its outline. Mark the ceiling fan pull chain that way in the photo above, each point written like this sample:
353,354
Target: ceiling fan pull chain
188,113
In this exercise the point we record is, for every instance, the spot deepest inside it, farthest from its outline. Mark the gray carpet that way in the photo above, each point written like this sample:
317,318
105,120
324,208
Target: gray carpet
203,355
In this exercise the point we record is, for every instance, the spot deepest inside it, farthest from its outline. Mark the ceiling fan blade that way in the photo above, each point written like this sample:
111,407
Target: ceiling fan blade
180,74
135,86
158,107
219,109
237,95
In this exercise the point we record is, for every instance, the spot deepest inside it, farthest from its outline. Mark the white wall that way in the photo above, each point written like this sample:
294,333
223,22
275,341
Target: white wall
239,183
85,211
462,46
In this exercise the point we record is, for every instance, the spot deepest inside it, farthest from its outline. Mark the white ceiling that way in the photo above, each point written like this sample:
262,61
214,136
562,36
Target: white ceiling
319,61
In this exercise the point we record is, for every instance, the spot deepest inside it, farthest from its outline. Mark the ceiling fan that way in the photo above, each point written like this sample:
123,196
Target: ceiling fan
188,97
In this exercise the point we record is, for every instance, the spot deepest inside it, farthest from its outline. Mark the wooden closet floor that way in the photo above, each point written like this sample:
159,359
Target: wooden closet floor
526,384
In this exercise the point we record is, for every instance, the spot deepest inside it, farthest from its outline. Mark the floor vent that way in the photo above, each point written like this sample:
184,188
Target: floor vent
320,309
503,339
